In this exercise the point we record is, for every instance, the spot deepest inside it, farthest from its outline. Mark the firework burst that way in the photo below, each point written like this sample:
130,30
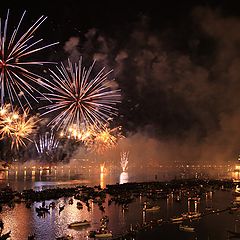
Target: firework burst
46,144
79,134
103,140
124,160
80,99
18,127
15,76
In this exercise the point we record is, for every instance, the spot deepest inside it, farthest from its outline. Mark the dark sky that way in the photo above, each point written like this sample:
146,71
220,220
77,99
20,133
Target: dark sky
177,62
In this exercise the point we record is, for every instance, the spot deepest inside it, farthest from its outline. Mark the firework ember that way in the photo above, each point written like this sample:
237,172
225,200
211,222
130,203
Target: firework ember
18,127
16,79
103,140
78,98
46,144
124,160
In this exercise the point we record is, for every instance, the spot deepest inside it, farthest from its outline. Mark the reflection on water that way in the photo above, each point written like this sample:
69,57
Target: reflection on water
102,180
123,177
23,221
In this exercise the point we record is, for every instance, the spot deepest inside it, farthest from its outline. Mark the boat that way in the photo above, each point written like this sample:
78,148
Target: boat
5,236
103,231
150,209
103,235
237,190
100,234
177,219
235,234
191,215
194,215
186,228
65,237
79,224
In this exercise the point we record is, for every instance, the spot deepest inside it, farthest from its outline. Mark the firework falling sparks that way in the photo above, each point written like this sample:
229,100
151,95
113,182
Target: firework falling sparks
102,167
103,140
78,98
124,160
18,127
74,132
15,76
46,144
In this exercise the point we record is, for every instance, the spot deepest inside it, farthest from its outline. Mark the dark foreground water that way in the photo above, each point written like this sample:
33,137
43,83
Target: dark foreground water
23,221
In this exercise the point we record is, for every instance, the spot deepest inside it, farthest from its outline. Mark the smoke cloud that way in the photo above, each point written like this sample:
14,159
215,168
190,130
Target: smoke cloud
178,104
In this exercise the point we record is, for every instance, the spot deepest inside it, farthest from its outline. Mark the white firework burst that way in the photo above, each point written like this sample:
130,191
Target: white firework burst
16,79
80,99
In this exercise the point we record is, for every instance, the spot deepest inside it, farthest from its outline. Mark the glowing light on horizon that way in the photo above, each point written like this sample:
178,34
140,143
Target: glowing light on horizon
16,80
78,98
123,178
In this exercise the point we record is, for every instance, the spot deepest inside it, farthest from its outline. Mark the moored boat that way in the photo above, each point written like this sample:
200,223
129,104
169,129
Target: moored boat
100,234
177,219
79,224
103,235
153,208
65,237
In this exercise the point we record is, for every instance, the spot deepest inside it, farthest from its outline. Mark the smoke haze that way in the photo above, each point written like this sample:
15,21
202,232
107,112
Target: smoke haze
180,100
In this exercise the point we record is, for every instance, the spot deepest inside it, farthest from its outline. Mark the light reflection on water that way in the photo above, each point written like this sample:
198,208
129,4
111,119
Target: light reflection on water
22,221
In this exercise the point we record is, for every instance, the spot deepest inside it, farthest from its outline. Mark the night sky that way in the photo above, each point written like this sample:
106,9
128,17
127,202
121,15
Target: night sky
176,62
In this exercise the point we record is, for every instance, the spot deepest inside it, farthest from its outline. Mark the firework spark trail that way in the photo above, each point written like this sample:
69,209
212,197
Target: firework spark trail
103,140
18,127
79,134
79,99
124,160
15,76
46,144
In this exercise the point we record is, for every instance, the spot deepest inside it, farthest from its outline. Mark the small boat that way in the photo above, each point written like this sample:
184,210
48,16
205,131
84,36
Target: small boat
194,215
150,209
42,209
186,228
235,234
5,236
237,190
177,219
65,237
100,234
79,224
103,235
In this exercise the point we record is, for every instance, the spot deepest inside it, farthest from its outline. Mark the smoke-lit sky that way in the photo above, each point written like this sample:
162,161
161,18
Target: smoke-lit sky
177,63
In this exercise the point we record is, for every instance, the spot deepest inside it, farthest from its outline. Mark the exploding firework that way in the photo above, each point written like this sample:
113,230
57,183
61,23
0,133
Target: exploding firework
15,76
103,140
124,160
18,127
74,132
80,99
46,144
